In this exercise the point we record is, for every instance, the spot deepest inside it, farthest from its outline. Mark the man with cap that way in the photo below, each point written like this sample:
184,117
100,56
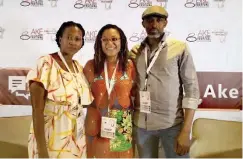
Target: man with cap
167,93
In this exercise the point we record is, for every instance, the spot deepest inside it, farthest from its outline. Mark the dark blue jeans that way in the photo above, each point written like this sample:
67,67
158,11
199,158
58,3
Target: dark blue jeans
147,141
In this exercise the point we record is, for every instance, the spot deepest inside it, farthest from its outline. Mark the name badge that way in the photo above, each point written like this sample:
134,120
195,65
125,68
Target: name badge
108,127
145,102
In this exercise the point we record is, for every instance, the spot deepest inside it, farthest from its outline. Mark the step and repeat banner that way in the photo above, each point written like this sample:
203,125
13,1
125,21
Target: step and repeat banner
212,29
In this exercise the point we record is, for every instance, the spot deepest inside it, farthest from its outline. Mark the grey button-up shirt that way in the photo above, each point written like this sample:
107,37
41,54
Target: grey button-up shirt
172,83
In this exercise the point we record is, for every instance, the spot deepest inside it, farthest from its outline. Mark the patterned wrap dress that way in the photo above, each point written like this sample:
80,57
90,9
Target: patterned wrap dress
60,112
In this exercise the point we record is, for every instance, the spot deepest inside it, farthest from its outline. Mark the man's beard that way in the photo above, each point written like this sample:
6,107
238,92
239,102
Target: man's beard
155,35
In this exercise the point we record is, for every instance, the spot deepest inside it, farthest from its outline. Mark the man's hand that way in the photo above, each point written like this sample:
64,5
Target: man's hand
133,53
183,142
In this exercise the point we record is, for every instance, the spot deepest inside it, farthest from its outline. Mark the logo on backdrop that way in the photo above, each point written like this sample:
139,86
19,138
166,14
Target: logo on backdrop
204,3
37,3
17,85
140,3
147,3
1,32
53,3
38,34
107,3
1,3
90,36
197,3
220,3
140,36
220,92
85,4
162,3
220,34
207,35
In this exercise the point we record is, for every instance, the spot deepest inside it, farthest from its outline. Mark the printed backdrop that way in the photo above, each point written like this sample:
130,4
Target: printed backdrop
212,29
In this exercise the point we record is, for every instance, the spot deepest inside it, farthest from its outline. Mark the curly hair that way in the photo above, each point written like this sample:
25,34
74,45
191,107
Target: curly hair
66,25
100,57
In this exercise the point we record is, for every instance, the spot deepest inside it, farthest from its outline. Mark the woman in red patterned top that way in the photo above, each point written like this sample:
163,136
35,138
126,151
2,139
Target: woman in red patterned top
110,75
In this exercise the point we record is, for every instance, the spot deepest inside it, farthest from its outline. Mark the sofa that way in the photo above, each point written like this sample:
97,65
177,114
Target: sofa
216,139
14,137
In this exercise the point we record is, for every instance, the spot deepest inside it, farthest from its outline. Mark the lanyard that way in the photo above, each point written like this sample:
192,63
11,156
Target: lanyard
156,54
74,79
109,84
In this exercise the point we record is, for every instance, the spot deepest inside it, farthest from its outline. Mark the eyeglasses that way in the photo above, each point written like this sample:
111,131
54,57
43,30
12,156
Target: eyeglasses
105,40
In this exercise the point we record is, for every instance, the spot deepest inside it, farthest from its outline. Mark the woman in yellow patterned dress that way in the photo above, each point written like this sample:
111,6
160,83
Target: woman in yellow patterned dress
59,90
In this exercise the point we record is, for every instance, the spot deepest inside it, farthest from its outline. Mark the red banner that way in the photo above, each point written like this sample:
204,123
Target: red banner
220,90
13,87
